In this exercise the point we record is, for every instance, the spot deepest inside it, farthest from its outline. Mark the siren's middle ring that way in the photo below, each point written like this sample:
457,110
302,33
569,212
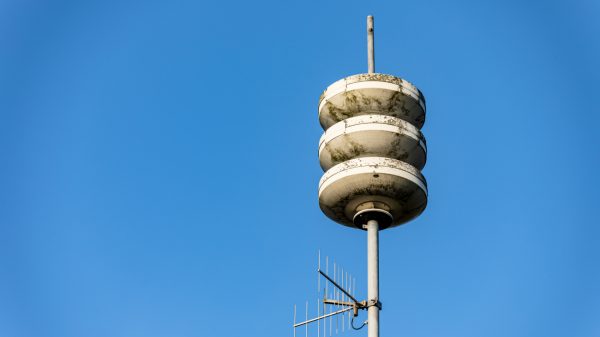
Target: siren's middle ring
372,136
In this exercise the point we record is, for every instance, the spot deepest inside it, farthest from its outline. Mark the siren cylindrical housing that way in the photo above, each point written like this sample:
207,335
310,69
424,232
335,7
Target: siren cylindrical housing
372,150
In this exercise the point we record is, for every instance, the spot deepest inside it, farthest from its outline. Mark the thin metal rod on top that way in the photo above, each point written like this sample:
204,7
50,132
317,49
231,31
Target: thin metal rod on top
371,43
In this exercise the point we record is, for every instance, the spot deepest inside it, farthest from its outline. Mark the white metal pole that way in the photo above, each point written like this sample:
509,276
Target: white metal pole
372,225
371,43
373,276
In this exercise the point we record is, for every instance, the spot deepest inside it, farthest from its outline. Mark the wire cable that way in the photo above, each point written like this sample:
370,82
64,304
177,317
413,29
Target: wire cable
360,327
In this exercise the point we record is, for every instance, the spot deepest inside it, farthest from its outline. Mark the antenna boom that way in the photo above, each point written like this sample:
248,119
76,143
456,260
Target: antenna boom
321,317
338,286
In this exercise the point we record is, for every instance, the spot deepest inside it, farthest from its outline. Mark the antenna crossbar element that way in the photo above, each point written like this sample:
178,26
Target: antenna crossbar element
335,302
321,317
338,286
354,306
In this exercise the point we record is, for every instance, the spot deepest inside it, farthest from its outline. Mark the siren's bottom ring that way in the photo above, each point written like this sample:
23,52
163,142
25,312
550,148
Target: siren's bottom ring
397,187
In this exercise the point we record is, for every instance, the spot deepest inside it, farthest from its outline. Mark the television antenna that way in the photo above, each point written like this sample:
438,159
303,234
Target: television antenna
339,303
372,152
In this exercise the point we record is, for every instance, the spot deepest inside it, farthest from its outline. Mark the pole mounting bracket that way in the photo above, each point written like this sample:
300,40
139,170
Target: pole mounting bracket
374,303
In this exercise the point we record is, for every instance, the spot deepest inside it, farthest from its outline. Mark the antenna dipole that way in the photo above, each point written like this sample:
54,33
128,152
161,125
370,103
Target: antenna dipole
340,302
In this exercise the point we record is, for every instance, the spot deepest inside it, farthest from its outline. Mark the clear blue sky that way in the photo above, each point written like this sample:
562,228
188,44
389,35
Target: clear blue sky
159,166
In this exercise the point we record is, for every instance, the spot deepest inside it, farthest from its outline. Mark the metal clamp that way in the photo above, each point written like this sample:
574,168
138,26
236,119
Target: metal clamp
375,303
